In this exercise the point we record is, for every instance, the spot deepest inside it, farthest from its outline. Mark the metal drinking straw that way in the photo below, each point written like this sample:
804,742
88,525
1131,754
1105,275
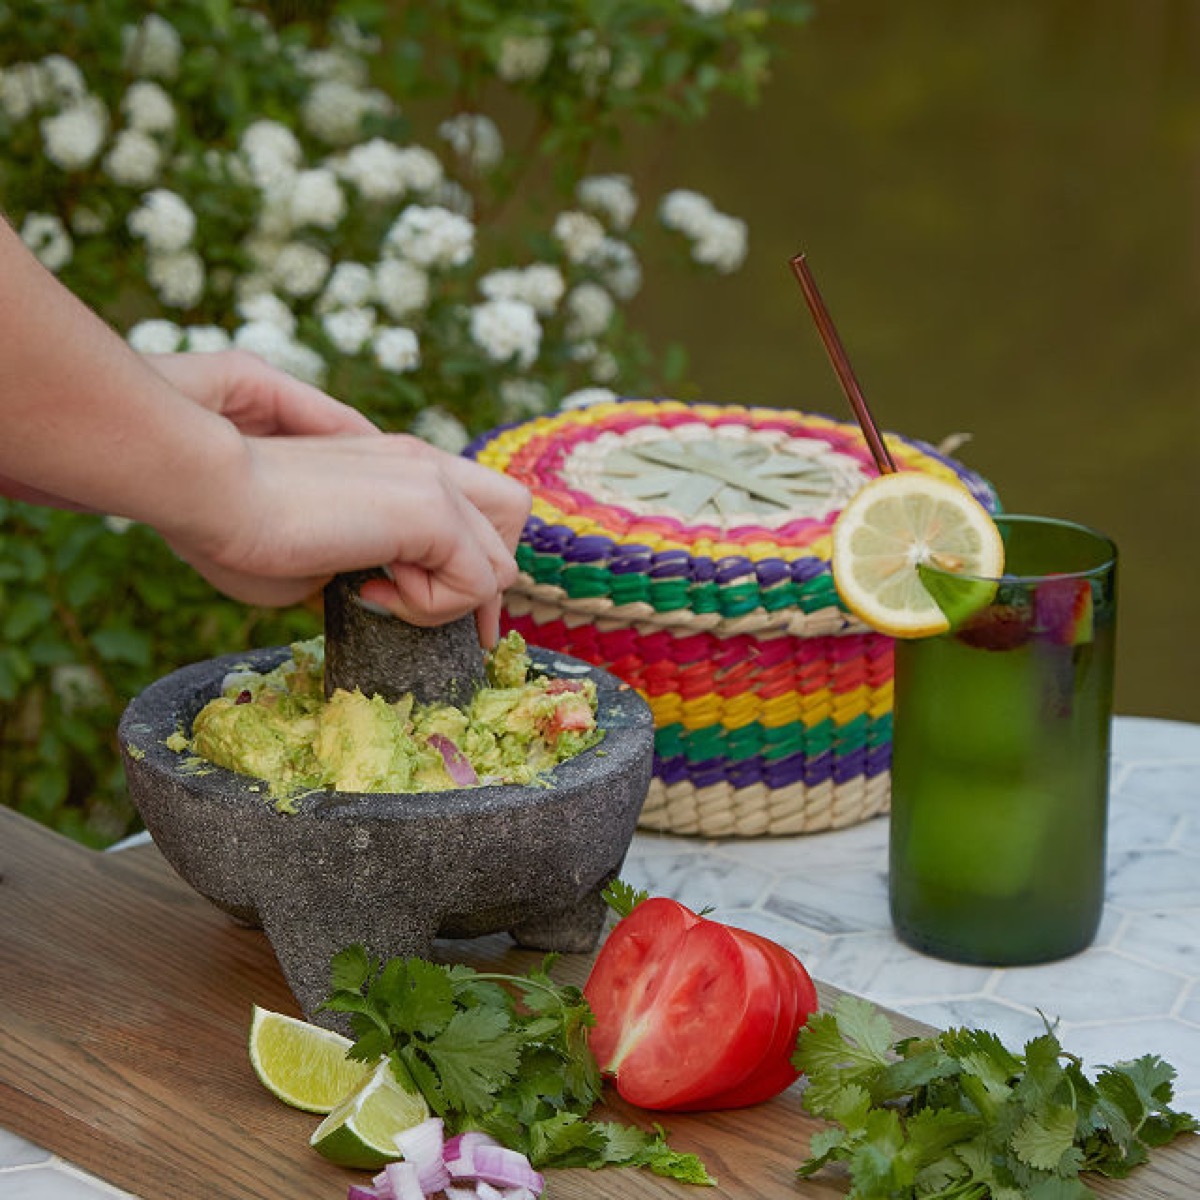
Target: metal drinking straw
841,365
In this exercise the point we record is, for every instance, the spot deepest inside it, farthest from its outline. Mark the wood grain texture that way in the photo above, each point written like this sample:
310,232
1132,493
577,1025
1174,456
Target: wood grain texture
125,1004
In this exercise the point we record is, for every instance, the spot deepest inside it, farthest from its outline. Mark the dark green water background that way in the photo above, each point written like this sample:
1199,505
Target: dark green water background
1001,203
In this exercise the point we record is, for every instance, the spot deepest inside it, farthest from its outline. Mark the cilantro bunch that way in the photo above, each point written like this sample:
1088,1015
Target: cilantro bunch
960,1117
505,1054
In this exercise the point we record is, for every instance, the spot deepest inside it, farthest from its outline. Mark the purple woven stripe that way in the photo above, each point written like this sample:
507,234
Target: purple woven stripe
746,773
879,759
588,548
819,769
553,539
703,569
672,568
671,770
804,569
785,771
849,766
707,773
630,564
733,567
771,571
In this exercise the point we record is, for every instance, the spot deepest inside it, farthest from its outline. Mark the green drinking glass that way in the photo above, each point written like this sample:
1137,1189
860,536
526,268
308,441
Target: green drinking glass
1000,754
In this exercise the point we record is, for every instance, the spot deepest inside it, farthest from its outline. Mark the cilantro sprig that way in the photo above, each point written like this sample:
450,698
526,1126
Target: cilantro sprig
623,897
958,1116
505,1054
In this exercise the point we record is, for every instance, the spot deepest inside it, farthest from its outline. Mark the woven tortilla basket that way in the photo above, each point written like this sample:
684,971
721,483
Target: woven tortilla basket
685,548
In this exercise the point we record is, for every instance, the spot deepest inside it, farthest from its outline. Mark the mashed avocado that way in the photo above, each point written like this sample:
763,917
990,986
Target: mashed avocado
279,727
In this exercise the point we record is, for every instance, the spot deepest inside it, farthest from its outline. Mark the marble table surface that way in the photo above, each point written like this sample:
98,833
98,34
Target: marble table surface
1135,991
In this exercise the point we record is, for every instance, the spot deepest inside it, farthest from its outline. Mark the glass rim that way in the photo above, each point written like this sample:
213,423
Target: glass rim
1110,559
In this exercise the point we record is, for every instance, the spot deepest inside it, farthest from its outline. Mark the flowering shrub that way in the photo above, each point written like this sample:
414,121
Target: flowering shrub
395,204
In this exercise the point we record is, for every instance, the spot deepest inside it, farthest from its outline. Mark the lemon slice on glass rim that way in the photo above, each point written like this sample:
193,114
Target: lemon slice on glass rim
895,526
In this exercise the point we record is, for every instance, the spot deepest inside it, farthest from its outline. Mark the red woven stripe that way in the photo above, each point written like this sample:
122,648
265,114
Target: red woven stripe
699,664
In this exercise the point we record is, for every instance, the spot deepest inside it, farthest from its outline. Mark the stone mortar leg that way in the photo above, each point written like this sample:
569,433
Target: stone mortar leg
572,930
305,936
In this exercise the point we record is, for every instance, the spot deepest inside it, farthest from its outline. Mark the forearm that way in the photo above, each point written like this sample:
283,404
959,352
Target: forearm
86,419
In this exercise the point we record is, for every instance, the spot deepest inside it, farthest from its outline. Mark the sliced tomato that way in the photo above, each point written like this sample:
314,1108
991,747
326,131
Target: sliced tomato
798,1001
684,1009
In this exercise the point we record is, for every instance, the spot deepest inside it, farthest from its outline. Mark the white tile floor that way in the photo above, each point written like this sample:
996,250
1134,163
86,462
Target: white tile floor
1136,991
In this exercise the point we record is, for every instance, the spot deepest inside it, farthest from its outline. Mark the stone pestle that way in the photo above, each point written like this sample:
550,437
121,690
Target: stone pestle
382,655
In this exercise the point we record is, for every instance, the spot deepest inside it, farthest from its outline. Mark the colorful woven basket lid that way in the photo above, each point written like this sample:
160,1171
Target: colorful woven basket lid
686,548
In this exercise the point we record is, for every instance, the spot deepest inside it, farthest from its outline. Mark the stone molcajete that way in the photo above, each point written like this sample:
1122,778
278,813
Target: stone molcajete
393,871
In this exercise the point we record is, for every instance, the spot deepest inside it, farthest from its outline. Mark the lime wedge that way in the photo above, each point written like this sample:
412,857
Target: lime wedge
361,1131
958,598
301,1064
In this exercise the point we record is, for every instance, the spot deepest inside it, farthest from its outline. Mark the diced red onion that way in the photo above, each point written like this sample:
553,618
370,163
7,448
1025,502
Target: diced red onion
458,766
469,1166
423,1145
506,1168
459,1152
404,1181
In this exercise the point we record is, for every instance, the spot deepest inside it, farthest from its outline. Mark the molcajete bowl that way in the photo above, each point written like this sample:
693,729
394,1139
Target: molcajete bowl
392,871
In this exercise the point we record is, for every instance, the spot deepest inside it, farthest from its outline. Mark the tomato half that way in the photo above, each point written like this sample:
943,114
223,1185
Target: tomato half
684,1009
629,971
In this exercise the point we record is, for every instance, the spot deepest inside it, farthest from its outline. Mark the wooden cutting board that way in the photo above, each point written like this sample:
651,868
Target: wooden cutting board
124,1008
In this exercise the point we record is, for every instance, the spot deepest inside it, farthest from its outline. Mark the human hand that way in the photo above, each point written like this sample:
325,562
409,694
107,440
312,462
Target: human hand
304,508
259,399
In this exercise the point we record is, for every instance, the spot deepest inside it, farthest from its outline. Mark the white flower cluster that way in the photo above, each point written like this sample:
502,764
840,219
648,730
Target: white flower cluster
345,242
382,171
709,8
47,237
523,58
541,286
506,330
718,241
612,196
475,139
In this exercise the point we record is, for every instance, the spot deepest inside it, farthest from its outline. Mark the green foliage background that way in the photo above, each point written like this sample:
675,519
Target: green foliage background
90,613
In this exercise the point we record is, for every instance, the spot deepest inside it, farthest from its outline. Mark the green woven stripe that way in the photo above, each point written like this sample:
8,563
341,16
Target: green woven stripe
546,568
746,741
630,589
819,593
787,739
705,597
669,594
853,734
703,744
880,732
772,743
581,580
820,737
783,595
672,595
738,599
669,740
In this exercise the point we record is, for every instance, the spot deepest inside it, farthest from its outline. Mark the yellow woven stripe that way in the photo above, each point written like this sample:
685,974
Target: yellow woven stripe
853,704
781,710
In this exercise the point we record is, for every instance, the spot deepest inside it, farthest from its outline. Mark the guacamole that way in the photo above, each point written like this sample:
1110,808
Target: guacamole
278,726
